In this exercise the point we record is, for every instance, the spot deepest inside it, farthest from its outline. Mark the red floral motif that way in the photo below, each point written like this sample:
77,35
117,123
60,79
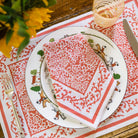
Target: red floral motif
74,65
3,67
2,88
130,59
8,103
35,122
117,34
17,70
14,128
89,98
125,107
25,53
64,132
131,13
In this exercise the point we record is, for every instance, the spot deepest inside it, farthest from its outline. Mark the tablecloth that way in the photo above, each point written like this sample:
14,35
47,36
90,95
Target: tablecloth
33,123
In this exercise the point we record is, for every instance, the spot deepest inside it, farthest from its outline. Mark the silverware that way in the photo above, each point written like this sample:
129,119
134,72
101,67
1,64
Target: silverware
10,91
130,36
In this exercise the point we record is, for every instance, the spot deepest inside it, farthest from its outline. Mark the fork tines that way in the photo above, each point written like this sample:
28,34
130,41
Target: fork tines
7,83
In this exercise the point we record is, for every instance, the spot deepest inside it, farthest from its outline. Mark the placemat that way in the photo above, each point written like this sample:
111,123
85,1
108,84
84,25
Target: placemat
34,124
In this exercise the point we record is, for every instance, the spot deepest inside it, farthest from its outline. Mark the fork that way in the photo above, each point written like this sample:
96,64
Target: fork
10,91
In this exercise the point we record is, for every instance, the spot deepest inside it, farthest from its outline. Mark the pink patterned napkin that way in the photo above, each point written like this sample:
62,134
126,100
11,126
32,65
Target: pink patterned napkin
81,81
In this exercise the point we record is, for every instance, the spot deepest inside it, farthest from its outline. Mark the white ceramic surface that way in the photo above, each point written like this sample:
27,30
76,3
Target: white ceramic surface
37,62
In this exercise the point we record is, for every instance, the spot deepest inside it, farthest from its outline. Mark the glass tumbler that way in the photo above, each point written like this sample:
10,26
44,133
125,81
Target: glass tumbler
107,12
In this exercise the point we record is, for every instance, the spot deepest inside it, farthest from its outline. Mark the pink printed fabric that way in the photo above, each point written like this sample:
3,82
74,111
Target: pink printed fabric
82,83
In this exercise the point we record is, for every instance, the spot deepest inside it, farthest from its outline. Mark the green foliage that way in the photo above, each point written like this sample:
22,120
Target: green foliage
9,35
35,88
38,3
51,2
9,10
14,10
116,76
55,96
4,17
22,24
52,40
33,72
16,4
23,33
23,45
90,40
40,52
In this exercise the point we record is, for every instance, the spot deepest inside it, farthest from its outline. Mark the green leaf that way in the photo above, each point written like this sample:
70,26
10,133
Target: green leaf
11,22
34,72
22,32
51,2
92,45
4,17
9,35
40,52
55,96
90,40
16,5
23,45
36,88
116,76
52,40
7,2
8,9
21,23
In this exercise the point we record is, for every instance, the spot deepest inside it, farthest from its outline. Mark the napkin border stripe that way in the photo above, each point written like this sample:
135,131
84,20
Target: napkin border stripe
104,96
98,109
108,126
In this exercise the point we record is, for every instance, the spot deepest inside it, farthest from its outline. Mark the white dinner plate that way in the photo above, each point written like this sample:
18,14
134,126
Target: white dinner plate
38,83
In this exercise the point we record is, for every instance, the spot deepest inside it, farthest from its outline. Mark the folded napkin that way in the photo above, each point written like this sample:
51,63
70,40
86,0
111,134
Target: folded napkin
82,83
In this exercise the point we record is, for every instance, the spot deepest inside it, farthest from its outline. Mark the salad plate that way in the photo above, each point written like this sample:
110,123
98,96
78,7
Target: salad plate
38,82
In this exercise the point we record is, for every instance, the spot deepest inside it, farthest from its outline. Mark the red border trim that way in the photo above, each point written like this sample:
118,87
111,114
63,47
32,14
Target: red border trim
5,121
136,2
89,133
64,25
96,112
75,21
108,126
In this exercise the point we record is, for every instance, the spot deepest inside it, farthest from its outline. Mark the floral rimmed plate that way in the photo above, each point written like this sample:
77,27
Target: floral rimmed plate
38,83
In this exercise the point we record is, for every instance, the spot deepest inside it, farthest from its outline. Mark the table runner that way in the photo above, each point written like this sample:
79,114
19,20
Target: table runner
34,124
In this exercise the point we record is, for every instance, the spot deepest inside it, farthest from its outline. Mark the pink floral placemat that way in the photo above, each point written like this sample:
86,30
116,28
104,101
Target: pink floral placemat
36,125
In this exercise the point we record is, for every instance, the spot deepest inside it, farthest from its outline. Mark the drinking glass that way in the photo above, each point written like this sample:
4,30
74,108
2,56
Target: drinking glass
107,12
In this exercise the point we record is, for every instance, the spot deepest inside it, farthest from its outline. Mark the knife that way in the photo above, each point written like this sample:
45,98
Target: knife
130,36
